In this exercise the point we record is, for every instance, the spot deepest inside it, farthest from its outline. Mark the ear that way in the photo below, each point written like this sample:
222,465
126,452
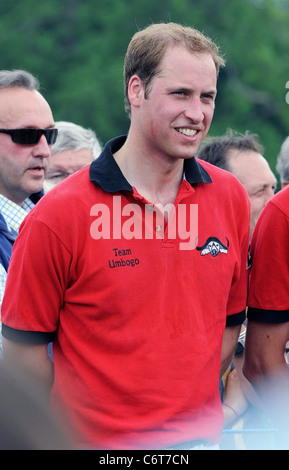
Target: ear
135,91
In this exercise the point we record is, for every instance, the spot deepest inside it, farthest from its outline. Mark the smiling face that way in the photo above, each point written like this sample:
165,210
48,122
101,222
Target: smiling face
174,115
23,167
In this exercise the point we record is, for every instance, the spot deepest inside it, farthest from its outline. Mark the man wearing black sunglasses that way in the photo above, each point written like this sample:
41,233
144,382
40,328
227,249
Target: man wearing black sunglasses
26,135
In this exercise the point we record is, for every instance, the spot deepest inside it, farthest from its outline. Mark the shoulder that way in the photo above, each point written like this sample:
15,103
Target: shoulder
274,215
69,195
64,208
224,181
219,174
280,201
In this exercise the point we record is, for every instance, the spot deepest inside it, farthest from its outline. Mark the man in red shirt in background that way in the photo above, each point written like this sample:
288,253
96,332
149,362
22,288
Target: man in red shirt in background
266,361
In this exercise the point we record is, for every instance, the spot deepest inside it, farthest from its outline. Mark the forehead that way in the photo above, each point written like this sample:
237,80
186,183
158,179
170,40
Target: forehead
179,63
20,107
250,167
70,156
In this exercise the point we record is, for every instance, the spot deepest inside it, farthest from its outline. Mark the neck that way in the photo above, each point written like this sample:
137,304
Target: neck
156,178
19,201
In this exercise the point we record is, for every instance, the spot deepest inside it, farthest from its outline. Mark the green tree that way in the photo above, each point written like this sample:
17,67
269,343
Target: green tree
77,47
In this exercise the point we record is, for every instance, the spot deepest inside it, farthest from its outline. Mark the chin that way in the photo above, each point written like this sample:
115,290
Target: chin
35,189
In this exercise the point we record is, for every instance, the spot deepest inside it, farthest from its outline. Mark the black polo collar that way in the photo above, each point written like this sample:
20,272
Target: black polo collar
105,172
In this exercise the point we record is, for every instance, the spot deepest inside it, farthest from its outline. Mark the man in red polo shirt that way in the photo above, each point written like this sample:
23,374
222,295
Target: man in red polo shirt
136,266
266,362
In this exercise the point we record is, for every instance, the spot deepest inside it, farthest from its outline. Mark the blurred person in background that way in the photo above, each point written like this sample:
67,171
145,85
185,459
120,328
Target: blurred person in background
282,166
266,364
75,148
242,155
26,422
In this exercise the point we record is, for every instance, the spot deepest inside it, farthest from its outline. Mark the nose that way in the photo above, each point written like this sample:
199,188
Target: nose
42,149
195,111
268,194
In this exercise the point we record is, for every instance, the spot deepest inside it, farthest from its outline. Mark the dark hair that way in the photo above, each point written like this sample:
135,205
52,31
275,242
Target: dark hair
215,149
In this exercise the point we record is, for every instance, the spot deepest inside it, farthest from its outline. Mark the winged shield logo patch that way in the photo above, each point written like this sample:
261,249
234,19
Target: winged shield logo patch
213,246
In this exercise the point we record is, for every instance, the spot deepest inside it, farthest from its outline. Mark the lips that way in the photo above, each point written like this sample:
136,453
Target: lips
37,170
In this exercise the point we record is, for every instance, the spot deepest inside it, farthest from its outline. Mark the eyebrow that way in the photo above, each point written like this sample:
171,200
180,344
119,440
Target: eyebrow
52,126
183,89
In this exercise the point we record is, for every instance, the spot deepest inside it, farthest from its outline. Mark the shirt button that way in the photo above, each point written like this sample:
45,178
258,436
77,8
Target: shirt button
159,228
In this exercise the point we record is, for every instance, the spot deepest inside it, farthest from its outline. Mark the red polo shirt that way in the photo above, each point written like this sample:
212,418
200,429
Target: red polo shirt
269,278
136,306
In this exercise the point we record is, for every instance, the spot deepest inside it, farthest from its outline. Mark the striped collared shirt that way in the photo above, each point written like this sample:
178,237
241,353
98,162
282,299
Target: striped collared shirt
13,213
14,216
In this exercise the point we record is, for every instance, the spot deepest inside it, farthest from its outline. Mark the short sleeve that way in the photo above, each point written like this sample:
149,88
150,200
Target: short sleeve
268,299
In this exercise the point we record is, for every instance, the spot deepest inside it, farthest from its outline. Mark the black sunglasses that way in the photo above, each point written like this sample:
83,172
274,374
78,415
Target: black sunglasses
31,136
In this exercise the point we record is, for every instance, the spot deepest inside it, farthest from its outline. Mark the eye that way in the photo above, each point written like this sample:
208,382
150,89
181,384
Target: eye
179,93
208,96
57,176
257,193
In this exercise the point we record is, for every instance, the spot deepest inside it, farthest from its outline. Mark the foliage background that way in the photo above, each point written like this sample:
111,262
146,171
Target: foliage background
77,47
